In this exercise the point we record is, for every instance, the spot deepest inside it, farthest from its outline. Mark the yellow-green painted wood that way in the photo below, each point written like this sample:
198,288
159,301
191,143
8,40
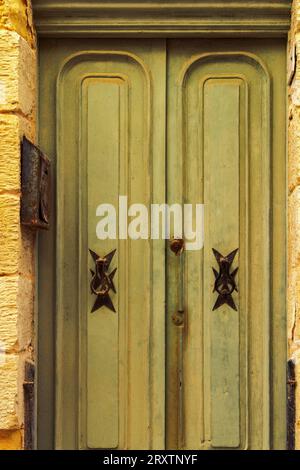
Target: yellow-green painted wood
221,142
162,18
103,109
221,155
110,132
112,115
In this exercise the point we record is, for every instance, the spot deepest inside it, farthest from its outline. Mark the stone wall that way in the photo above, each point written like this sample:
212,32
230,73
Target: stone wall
294,209
17,118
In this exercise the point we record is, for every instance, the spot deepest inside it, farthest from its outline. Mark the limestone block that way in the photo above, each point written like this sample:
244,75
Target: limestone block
11,440
294,146
9,233
27,251
16,15
25,305
293,290
9,153
17,74
8,392
27,78
293,319
27,128
294,228
12,129
9,313
16,313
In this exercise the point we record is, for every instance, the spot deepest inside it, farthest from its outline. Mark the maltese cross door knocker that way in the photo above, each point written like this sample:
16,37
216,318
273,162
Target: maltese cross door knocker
102,281
225,283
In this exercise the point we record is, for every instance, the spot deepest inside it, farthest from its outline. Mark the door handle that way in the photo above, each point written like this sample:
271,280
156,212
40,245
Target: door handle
102,281
225,283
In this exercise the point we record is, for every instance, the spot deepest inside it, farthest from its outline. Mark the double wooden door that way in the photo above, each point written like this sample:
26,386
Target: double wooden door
177,122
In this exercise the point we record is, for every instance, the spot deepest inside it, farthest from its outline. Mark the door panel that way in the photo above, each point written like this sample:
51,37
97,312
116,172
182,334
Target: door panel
221,153
110,142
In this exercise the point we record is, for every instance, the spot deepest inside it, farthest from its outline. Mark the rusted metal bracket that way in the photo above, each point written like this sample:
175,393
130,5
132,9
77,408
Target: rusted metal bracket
291,405
35,186
29,401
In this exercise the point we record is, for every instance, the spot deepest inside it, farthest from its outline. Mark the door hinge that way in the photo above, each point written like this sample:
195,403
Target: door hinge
291,405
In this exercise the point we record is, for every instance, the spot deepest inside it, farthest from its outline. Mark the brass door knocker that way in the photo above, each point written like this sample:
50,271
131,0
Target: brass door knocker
102,281
225,283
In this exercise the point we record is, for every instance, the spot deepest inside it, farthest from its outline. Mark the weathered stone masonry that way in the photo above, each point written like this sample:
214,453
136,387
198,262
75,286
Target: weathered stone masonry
17,117
294,211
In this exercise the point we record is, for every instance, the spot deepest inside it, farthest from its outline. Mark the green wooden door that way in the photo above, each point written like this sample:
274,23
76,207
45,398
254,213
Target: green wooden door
225,148
190,121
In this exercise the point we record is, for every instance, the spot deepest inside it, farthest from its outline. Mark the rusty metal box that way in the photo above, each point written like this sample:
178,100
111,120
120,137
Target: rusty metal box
35,186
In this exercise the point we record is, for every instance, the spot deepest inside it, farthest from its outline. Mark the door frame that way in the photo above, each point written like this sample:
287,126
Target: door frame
189,19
